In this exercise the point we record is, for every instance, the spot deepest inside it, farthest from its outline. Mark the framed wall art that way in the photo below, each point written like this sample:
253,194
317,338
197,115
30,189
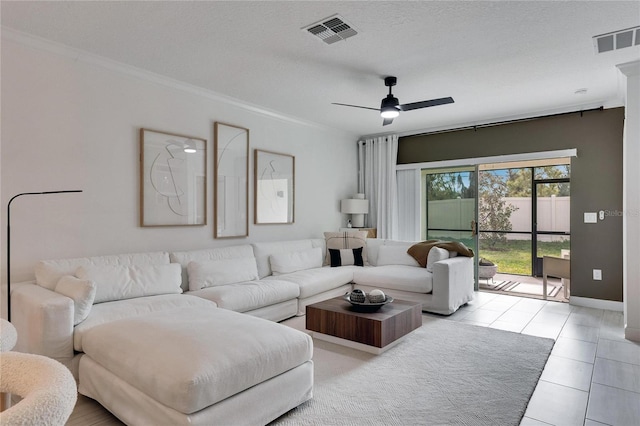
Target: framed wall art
231,181
274,189
173,179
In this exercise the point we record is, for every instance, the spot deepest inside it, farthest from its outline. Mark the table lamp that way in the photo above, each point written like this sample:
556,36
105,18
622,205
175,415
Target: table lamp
357,207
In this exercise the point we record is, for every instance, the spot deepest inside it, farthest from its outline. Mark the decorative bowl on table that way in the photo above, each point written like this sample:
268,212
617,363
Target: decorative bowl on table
367,305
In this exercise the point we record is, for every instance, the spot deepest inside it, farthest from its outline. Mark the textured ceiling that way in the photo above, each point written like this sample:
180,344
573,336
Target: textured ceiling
496,59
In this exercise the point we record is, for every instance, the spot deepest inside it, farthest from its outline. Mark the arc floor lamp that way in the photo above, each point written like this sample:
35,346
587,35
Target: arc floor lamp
9,238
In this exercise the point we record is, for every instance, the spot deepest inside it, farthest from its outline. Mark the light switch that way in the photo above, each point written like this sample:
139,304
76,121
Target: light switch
597,274
590,217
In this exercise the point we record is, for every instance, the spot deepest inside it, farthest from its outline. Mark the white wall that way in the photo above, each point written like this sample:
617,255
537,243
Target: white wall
71,121
631,202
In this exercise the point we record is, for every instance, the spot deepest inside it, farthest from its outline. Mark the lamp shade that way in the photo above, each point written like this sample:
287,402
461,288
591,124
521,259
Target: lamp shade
354,206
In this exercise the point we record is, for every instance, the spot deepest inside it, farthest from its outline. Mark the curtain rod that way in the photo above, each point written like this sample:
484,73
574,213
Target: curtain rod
499,123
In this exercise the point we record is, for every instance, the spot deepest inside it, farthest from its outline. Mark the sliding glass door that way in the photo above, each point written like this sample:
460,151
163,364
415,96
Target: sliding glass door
523,215
551,214
449,197
504,205
511,214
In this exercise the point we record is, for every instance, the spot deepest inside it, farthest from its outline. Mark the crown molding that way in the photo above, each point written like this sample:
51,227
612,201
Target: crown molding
629,68
79,55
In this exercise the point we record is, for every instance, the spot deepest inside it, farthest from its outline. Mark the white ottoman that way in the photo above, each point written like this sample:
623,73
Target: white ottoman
196,366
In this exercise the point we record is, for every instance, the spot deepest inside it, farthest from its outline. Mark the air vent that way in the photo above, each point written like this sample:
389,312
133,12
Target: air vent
617,40
331,29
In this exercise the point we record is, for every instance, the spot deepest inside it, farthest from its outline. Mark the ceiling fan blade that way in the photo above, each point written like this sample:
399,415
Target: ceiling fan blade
356,106
425,104
387,121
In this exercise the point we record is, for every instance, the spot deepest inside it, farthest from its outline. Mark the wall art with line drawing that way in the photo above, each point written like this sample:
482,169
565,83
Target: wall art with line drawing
231,181
274,189
173,179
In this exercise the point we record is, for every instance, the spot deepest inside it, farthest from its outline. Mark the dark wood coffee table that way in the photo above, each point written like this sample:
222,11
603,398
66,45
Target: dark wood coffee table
335,320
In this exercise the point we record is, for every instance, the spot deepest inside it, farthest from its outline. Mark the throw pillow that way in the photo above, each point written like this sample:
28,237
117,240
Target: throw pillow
395,255
82,292
344,257
436,254
285,263
221,272
346,240
127,282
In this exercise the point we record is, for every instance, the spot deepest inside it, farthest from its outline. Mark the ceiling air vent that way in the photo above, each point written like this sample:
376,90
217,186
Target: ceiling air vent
617,40
331,29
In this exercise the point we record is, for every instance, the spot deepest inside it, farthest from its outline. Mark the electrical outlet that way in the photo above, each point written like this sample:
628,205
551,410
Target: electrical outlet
597,274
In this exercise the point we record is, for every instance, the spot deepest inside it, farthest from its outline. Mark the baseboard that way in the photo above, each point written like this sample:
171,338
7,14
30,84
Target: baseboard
632,334
587,302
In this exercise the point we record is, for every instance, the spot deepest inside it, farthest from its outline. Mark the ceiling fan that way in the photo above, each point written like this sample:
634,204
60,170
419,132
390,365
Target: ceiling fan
390,106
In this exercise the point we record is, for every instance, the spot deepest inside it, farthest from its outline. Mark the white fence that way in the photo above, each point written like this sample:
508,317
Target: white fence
553,214
451,214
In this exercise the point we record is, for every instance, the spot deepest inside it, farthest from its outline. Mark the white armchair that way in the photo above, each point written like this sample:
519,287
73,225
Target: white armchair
47,387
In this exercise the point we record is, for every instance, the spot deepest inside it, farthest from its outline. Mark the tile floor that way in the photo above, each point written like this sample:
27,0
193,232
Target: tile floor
592,377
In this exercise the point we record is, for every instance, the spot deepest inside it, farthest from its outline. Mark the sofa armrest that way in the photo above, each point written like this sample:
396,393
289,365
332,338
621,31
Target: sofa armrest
44,321
452,283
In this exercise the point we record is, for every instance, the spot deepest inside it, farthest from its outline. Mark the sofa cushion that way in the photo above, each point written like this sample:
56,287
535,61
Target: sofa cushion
263,252
127,282
82,292
191,358
107,312
319,280
346,240
285,263
345,257
221,272
247,296
49,272
396,277
395,255
205,255
373,248
436,254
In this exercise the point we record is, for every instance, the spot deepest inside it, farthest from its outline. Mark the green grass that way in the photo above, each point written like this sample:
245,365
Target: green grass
514,257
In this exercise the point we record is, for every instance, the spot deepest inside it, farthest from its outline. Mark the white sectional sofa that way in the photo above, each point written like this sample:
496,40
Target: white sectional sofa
152,355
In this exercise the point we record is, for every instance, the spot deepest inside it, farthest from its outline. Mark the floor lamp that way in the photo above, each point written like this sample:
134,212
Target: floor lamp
9,239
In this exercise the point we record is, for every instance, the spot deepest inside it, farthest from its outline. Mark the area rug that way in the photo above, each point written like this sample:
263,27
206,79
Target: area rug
444,373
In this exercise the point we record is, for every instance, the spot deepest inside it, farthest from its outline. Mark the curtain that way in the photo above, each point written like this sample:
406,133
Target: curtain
377,180
408,204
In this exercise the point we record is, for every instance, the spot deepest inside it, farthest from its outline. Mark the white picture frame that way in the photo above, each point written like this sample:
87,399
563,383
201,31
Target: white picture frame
274,188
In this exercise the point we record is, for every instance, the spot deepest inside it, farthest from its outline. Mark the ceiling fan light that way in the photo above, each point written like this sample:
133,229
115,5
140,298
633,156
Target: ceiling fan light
389,112
389,107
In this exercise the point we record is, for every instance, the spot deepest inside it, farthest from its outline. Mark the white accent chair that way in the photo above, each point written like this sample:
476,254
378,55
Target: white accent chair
47,387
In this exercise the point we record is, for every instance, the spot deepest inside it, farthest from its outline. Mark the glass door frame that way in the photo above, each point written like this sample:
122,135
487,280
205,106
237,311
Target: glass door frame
536,262
473,225
477,162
